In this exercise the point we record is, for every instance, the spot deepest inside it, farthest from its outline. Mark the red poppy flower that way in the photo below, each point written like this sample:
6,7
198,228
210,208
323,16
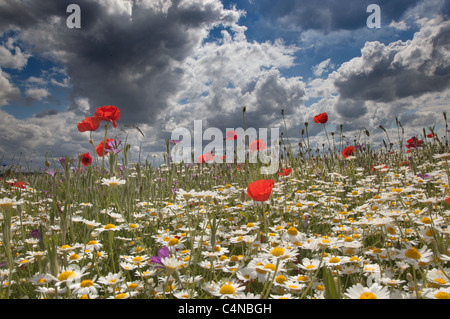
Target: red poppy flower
89,124
207,157
448,200
99,147
286,172
108,113
257,145
322,118
413,142
19,184
431,135
260,190
231,135
86,159
349,150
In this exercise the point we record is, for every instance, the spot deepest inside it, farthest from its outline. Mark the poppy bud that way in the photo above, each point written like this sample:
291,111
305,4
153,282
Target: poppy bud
47,164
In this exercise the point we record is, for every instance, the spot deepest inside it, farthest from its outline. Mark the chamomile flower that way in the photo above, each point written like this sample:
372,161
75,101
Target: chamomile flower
375,291
309,265
86,286
69,275
227,290
436,293
41,279
113,181
111,280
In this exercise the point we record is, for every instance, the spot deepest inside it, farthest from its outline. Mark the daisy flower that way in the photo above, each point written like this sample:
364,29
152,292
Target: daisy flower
375,291
113,181
229,289
110,279
86,286
415,256
436,293
69,275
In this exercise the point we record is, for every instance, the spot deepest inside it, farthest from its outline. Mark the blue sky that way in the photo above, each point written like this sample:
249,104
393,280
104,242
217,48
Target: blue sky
167,63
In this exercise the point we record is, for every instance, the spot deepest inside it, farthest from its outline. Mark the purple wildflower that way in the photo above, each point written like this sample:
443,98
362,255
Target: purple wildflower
35,233
162,253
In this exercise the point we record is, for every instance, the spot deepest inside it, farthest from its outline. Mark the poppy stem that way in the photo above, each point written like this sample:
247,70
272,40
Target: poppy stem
104,147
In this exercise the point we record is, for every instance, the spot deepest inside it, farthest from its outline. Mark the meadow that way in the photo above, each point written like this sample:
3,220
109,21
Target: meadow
346,221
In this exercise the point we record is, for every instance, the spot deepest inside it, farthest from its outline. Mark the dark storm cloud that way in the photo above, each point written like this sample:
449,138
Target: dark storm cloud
330,15
130,61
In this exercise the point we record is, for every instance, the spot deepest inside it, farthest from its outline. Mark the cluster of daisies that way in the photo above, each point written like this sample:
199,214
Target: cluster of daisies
378,235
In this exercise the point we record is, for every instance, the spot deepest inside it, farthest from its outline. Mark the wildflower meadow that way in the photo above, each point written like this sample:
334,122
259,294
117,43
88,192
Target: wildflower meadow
340,221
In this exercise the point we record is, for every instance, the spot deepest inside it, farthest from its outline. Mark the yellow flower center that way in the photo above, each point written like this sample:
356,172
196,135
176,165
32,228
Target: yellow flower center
121,296
133,285
74,257
440,281
442,295
109,226
226,289
277,251
391,230
86,283
249,225
426,220
174,241
66,275
280,279
92,242
292,231
413,253
65,247
367,295
234,258
334,260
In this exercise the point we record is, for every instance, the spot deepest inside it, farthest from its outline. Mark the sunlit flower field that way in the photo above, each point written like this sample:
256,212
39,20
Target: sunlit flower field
342,222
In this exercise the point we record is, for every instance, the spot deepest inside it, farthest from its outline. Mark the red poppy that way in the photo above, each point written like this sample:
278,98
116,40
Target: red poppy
260,190
257,145
431,135
207,157
108,113
413,142
99,148
19,184
286,172
86,159
231,135
448,200
322,118
89,124
349,150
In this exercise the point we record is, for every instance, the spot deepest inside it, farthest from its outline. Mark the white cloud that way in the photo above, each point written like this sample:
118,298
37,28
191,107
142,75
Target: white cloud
37,93
11,56
321,67
7,90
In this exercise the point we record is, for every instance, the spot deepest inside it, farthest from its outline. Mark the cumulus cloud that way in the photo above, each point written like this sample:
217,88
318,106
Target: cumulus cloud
400,69
7,90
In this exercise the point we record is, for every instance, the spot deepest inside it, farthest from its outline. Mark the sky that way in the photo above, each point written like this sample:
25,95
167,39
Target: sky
167,63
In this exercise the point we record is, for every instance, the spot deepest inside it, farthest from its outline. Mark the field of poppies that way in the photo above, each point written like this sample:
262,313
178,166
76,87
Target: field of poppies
341,222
